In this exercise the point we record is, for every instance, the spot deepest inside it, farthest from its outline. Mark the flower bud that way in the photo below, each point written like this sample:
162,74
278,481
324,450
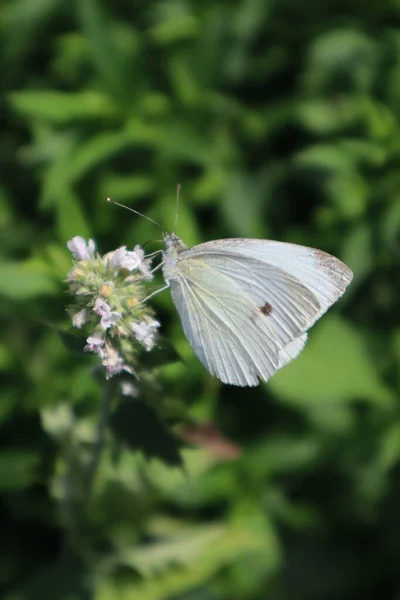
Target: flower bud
106,290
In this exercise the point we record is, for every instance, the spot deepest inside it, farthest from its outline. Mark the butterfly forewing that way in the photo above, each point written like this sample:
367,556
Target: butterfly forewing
325,276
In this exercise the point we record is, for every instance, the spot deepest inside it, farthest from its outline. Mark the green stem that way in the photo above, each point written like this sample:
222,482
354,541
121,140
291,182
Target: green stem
105,405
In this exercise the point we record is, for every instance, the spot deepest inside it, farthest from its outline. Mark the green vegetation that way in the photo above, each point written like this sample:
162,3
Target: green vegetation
280,120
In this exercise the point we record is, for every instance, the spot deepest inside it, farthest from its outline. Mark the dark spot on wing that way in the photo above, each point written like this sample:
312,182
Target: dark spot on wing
266,309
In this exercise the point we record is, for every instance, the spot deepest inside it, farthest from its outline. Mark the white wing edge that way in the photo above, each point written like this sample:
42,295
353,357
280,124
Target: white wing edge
292,350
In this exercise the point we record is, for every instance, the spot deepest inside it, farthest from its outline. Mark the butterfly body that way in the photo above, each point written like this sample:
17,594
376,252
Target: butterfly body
246,304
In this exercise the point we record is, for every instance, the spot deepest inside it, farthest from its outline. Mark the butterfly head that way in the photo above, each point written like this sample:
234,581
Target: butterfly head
173,247
173,243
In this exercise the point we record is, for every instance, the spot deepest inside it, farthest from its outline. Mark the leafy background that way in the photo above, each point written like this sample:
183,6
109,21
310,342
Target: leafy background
281,121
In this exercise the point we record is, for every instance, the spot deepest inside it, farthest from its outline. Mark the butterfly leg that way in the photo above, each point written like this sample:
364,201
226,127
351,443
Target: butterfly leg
151,272
165,287
157,267
153,254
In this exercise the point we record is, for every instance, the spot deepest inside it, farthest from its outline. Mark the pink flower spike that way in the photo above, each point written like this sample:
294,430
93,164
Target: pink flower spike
101,307
109,320
80,249
144,264
94,343
124,258
108,317
113,362
145,332
80,318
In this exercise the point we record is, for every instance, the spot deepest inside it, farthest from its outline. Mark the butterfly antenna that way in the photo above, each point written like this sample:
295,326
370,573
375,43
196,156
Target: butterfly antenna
178,193
134,211
150,242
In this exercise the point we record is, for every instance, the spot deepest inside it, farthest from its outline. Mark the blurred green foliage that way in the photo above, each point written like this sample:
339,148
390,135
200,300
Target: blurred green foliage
281,121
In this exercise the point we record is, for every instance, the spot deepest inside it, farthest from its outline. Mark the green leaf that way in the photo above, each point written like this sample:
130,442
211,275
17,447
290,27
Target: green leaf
391,222
347,190
248,20
200,593
245,223
73,341
183,142
67,580
183,549
184,83
62,107
357,253
389,451
71,220
328,116
9,403
349,193
175,28
18,469
163,354
6,357
381,122
126,187
105,145
21,23
345,52
57,420
18,281
139,427
231,545
110,59
333,367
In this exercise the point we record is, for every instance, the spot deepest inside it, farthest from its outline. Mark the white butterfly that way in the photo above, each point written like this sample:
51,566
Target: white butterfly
246,304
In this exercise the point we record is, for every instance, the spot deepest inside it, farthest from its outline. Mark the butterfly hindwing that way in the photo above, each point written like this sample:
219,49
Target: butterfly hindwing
224,326
288,305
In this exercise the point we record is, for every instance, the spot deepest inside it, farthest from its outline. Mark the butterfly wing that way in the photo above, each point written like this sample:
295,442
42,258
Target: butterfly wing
227,331
292,350
248,262
284,303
